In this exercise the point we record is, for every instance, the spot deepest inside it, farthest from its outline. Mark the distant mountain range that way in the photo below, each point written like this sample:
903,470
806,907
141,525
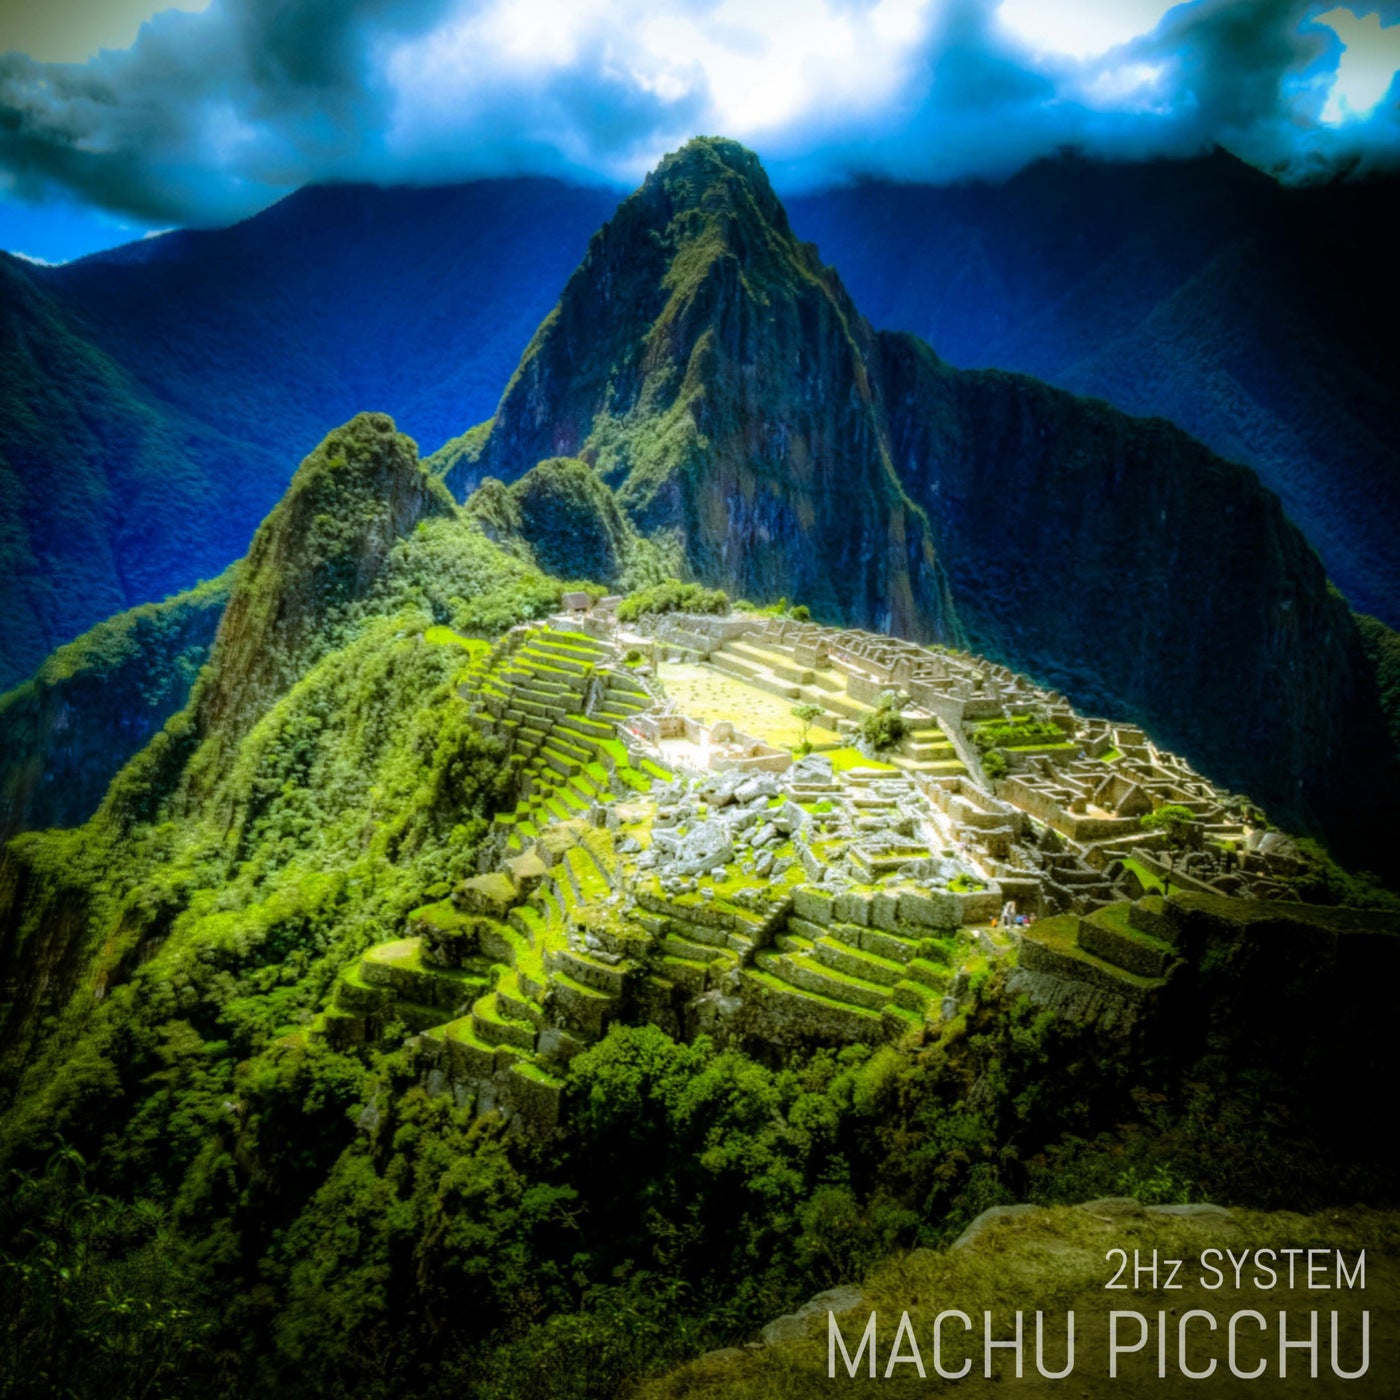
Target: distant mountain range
1259,318
155,400
156,397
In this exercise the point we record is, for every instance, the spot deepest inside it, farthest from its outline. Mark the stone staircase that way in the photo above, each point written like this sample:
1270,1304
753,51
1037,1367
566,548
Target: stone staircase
854,966
771,667
927,749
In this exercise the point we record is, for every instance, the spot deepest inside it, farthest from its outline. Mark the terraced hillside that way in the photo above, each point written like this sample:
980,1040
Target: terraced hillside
551,696
1109,966
731,891
598,909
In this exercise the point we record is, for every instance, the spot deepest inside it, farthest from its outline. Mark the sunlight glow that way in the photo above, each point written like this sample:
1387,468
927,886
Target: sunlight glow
1369,62
1080,28
751,65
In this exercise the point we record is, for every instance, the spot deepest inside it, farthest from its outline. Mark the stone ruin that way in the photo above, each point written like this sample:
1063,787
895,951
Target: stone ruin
808,902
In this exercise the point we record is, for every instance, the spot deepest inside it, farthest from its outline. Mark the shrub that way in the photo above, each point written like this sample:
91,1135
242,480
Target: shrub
672,596
805,712
1016,733
884,726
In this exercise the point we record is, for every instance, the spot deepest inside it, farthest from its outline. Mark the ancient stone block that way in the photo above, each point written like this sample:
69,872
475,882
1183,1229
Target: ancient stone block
811,904
491,894
852,907
884,910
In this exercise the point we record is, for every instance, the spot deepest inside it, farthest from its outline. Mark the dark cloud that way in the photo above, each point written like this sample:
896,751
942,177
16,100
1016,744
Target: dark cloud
211,115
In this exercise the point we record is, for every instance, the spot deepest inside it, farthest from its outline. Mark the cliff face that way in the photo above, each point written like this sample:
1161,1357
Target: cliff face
1125,563
1198,290
716,376
95,702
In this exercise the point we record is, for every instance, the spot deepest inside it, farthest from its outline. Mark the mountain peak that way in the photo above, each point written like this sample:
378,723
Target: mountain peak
313,557
718,183
707,161
716,376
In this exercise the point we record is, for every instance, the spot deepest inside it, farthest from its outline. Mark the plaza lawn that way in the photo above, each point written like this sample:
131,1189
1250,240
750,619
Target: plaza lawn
708,695
1151,883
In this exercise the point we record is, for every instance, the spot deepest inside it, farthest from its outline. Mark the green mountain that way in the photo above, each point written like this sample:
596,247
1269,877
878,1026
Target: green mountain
312,615
570,523
255,1012
154,398
104,496
181,377
210,1192
718,378
97,701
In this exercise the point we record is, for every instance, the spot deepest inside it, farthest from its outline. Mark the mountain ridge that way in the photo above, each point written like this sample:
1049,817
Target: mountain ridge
363,295
1113,554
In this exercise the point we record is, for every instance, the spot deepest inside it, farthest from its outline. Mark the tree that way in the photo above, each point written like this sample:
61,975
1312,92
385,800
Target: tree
883,726
1180,830
806,712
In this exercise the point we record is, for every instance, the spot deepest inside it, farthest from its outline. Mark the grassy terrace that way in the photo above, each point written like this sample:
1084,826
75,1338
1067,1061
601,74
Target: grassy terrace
564,758
845,758
534,696
1150,882
1061,935
708,696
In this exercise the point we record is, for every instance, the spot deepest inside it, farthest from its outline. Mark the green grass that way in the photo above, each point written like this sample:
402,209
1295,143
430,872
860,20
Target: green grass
445,636
775,984
843,760
1151,883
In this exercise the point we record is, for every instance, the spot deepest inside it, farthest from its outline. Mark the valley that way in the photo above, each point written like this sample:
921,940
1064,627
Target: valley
756,805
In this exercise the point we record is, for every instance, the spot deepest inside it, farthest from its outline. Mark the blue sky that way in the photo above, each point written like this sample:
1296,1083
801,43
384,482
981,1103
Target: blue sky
116,120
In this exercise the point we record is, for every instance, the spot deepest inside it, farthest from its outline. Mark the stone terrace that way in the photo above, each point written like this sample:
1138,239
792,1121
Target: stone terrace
645,873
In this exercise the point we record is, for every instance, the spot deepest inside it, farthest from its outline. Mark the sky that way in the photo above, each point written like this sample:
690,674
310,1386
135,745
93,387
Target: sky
122,118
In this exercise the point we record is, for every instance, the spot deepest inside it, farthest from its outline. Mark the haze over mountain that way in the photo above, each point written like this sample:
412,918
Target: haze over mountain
179,377
241,1135
1254,315
156,398
723,382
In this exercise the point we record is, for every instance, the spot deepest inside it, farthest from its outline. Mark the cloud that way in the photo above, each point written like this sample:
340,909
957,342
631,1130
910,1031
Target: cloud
210,115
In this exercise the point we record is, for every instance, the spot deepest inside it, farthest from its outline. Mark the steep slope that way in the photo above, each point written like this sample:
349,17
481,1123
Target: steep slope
711,369
317,553
154,395
1125,563
714,373
205,362
323,700
66,731
1254,316
565,514
105,499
